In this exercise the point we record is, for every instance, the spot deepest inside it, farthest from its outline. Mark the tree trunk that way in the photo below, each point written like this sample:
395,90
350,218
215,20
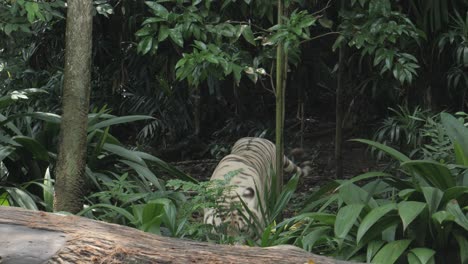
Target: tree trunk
71,159
37,237
281,66
197,110
339,115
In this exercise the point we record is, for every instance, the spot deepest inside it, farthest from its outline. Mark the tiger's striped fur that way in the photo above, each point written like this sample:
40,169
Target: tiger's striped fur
252,158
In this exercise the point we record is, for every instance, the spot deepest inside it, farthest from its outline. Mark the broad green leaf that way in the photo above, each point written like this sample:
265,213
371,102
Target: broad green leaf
148,217
432,172
421,256
9,28
460,156
169,215
353,194
5,151
31,145
21,198
176,36
145,45
163,33
346,219
405,193
327,188
248,35
325,22
373,247
325,218
166,167
152,20
365,176
236,71
441,216
158,9
460,218
31,11
308,241
118,120
408,211
389,233
47,117
433,198
145,173
392,152
145,31
285,196
116,209
4,199
390,253
457,132
372,218
454,193
124,153
462,247
384,227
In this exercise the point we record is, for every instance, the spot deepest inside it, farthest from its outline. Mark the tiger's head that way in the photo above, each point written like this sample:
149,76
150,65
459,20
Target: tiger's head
231,215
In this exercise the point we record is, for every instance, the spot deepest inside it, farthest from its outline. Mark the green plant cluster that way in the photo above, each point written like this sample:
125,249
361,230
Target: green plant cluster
415,214
29,150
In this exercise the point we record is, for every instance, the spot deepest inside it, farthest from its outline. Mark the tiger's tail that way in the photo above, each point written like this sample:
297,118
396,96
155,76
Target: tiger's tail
290,167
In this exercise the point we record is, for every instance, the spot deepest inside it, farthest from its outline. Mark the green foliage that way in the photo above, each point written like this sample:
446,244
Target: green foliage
402,129
420,134
103,7
217,44
377,30
28,152
455,41
124,202
418,215
210,195
205,195
294,30
208,61
20,15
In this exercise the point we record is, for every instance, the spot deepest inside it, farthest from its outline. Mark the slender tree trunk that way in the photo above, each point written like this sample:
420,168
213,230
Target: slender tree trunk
71,160
196,110
281,66
339,114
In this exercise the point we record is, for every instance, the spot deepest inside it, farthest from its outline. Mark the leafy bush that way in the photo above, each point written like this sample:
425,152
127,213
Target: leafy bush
418,214
28,152
418,134
210,195
402,129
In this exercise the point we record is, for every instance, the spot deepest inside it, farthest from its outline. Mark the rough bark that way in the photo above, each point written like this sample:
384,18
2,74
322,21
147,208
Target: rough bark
35,237
77,75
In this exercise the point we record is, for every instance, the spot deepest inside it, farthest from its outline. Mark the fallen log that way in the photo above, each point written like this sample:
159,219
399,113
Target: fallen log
37,237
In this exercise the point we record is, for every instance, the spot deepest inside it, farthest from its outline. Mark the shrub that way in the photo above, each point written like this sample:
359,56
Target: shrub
417,214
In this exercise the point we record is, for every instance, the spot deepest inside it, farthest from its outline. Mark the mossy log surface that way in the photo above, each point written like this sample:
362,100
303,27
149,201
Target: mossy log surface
39,237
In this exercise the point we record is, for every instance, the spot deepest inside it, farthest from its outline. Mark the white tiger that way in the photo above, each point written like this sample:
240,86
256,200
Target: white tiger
252,158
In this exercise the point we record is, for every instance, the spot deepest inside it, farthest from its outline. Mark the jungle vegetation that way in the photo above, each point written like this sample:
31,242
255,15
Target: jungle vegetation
175,80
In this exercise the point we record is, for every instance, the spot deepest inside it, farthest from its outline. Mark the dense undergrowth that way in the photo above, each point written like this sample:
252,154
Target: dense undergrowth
154,60
413,212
